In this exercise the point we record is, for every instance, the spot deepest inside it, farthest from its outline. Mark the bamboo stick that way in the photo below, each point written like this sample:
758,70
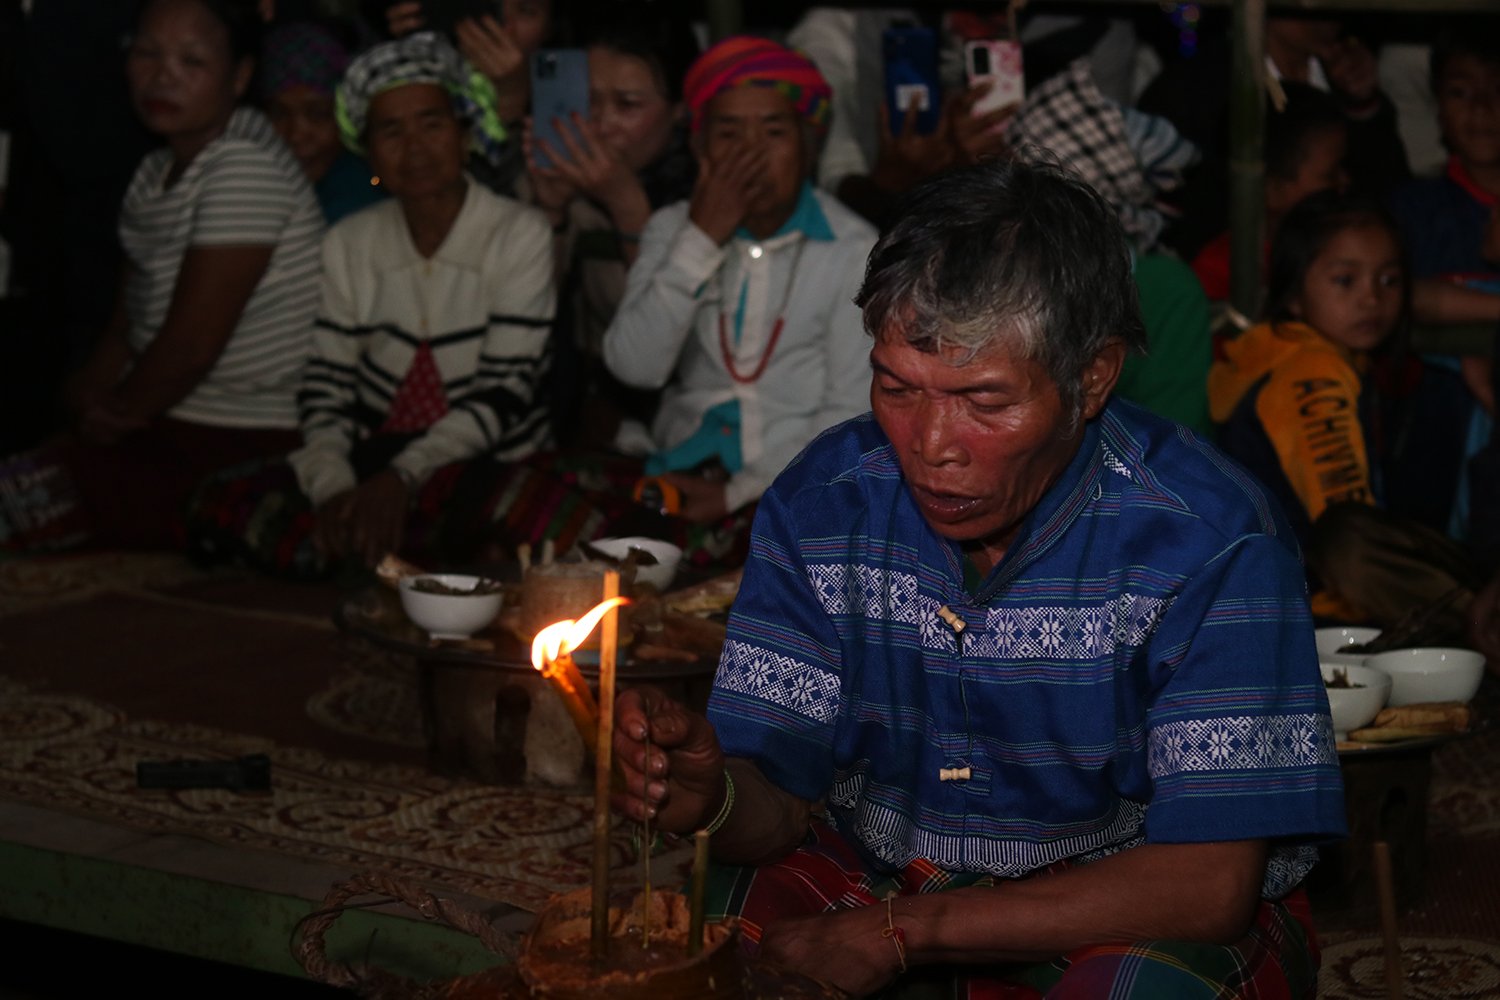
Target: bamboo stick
608,649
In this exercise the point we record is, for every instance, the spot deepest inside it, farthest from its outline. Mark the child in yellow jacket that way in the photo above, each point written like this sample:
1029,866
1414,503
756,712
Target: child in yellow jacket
1290,401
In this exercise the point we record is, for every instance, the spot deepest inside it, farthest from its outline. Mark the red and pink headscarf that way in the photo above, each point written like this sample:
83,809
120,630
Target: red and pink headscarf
747,61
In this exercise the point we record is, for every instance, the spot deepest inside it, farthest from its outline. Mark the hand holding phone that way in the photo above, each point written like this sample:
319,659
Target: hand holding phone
911,77
996,65
559,89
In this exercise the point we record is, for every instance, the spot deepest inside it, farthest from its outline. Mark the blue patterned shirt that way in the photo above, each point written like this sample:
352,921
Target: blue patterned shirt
1139,668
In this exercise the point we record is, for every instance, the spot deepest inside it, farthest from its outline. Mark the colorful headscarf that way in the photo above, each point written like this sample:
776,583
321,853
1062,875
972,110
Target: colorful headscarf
747,61
300,54
423,57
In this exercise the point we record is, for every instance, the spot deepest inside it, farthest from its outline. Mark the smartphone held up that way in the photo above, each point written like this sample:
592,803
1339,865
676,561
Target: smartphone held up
995,64
559,89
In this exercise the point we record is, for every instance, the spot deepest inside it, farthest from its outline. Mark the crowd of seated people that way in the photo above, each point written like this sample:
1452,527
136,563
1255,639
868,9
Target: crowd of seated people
368,304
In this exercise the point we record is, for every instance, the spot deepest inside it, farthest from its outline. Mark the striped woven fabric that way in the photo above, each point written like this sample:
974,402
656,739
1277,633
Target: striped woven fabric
1277,959
746,61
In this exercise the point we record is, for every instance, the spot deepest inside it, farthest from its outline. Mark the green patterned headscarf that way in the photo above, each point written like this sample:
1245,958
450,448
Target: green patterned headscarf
423,57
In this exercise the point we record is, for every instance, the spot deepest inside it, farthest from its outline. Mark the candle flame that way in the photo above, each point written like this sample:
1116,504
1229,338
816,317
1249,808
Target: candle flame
561,638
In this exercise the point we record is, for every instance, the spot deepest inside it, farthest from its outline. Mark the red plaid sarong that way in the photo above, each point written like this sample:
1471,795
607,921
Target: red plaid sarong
1276,960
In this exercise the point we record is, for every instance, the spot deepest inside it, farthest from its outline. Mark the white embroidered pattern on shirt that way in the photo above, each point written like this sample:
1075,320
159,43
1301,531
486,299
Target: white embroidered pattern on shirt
1057,631
1240,742
1112,462
781,680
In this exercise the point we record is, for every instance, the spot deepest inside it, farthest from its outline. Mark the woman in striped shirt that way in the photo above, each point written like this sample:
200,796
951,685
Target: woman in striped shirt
200,364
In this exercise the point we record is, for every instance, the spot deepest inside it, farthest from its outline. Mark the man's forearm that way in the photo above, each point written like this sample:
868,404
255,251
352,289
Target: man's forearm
764,823
1191,892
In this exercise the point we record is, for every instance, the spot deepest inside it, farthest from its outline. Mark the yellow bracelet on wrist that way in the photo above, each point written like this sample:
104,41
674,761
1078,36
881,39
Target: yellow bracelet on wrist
719,820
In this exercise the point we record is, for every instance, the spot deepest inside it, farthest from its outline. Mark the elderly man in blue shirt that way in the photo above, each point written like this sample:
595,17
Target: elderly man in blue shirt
1010,639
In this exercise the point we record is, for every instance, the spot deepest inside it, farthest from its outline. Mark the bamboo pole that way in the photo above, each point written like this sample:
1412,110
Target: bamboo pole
1247,123
608,649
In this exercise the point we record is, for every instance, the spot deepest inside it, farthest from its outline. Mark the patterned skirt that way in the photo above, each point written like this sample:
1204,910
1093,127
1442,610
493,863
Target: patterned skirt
1276,960
466,513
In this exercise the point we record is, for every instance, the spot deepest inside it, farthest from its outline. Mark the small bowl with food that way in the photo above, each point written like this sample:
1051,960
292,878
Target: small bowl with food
1342,643
450,605
1355,695
654,561
1430,673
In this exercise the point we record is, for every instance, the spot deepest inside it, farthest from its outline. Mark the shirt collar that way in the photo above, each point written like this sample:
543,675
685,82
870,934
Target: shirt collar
1458,175
807,218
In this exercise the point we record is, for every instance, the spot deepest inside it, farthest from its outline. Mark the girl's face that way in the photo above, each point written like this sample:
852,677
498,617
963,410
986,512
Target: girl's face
627,103
183,79
1352,291
1468,99
303,117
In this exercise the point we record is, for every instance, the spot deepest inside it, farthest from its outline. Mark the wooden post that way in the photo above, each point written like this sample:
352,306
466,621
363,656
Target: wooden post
1385,884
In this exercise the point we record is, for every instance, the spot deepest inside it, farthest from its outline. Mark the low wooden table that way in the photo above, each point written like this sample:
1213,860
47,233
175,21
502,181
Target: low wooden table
477,704
1385,798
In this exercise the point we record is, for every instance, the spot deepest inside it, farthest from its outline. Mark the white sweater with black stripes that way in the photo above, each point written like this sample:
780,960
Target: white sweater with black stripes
484,302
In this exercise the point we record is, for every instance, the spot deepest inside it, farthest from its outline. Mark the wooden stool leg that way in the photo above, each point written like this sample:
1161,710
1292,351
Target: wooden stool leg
1385,884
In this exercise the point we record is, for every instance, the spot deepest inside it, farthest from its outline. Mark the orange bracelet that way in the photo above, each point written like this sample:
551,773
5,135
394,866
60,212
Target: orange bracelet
896,934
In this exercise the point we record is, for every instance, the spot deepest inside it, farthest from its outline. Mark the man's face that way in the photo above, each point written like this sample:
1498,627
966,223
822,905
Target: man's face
979,443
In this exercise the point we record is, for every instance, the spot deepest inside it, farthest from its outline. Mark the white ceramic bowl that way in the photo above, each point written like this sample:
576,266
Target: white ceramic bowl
450,616
1353,707
1430,674
1335,637
668,558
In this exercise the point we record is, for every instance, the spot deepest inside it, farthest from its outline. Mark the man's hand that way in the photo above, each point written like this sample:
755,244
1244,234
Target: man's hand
847,949
721,195
1351,70
907,157
676,776
703,500
978,137
364,523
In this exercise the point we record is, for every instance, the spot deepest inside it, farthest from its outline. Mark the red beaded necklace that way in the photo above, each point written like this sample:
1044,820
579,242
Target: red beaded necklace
765,359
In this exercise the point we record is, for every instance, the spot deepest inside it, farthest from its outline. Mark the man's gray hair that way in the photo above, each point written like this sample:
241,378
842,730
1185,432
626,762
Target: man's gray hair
1006,251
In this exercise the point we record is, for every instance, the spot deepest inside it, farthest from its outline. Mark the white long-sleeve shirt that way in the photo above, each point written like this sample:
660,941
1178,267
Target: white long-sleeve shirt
666,332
